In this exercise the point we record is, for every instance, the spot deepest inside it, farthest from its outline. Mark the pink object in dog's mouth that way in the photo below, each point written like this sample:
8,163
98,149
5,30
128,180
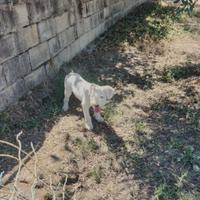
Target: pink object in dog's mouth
97,109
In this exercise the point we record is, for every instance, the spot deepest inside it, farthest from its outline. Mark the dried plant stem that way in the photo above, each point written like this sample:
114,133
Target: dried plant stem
15,192
9,156
51,187
35,173
12,145
63,193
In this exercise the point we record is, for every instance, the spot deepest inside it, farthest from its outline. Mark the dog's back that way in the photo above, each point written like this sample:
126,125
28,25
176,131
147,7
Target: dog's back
75,83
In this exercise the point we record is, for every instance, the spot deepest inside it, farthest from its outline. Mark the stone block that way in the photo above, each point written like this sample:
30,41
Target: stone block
71,34
54,46
67,4
107,12
67,37
3,102
17,90
26,38
63,38
75,48
101,16
21,14
98,30
2,79
39,9
62,22
12,94
94,19
7,47
116,17
16,68
7,20
108,23
87,24
72,17
84,40
58,6
116,8
100,5
64,55
80,27
89,8
50,69
39,55
35,78
58,62
92,35
47,29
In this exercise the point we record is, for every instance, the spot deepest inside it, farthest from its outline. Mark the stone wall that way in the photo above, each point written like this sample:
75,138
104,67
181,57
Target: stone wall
38,36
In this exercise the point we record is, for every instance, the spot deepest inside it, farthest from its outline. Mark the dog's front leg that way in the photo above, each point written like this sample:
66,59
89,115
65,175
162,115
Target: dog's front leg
88,121
85,105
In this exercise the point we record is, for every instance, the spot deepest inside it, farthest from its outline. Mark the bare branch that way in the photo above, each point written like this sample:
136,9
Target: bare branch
64,187
14,192
12,145
9,156
35,174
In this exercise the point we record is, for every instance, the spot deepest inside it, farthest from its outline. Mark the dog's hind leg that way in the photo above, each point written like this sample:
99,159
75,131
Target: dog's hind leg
67,93
88,121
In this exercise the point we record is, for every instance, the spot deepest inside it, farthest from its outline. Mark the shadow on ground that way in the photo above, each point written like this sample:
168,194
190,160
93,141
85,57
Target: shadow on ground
182,71
169,165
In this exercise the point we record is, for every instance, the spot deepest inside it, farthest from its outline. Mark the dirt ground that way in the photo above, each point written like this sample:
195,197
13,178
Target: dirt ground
148,147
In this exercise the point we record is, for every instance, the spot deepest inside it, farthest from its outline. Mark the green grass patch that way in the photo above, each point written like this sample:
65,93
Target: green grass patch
185,196
140,126
165,192
49,107
86,146
5,123
97,174
148,21
180,72
111,112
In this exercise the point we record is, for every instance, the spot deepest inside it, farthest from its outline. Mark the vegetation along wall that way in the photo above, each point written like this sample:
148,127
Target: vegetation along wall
38,36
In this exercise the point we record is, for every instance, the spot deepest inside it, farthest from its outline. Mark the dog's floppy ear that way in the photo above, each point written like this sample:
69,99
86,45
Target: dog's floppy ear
109,91
92,94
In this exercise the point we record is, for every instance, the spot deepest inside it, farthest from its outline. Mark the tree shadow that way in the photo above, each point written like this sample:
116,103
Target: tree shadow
166,168
34,115
151,20
169,166
171,152
192,24
182,71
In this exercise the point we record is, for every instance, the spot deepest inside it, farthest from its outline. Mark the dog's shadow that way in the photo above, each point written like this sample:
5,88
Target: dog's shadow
114,142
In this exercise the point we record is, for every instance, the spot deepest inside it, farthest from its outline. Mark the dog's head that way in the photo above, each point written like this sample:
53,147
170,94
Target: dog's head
101,95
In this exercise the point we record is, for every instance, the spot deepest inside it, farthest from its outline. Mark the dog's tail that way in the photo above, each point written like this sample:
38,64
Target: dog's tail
72,71
70,74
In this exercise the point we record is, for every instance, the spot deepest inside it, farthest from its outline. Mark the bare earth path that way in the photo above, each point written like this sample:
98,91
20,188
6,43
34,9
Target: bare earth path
148,148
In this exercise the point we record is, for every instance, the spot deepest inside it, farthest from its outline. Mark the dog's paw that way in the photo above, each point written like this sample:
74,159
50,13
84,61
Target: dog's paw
89,127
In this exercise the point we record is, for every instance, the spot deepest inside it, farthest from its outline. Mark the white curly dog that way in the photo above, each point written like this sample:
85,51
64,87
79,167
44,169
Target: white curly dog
90,95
